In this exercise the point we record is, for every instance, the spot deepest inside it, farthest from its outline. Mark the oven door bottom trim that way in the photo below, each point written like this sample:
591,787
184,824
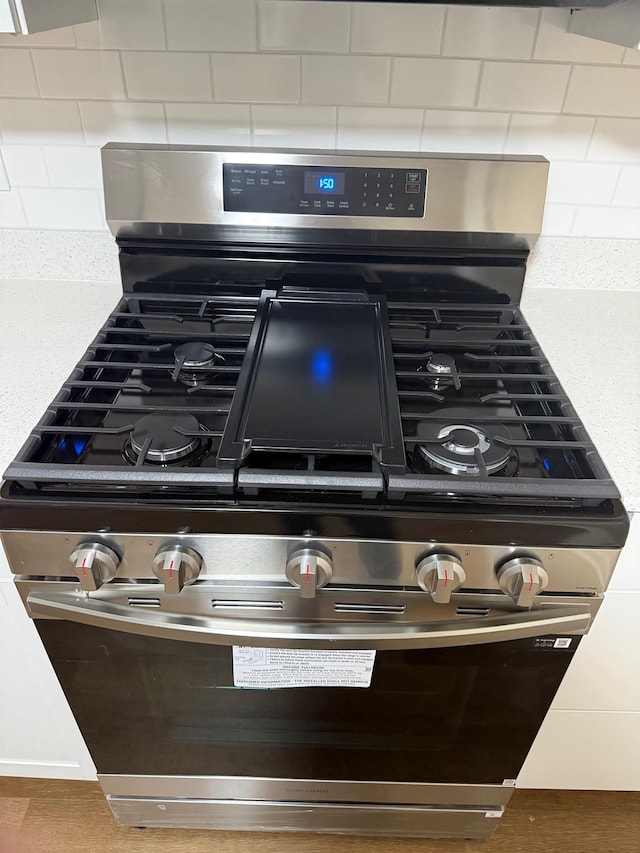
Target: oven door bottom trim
281,816
296,791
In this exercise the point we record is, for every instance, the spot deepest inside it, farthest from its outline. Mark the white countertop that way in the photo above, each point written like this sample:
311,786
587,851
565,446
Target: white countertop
591,338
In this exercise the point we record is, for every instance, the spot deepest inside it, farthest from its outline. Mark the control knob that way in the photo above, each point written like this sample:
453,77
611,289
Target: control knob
440,575
523,578
309,569
176,566
95,564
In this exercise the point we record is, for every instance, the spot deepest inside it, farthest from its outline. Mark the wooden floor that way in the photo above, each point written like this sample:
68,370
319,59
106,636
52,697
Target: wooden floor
50,816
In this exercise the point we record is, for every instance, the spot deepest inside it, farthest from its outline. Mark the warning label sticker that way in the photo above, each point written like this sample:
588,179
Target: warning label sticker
275,668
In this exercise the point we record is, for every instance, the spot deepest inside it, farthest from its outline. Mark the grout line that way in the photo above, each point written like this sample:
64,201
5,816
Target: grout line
212,85
300,73
591,135
476,98
566,91
507,133
166,121
35,72
350,29
165,30
536,35
391,69
615,186
256,17
423,130
445,22
124,76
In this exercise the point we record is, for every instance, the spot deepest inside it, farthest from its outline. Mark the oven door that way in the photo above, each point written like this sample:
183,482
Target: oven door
439,735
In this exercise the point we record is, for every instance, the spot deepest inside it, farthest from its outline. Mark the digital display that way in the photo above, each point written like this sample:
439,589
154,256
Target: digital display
321,183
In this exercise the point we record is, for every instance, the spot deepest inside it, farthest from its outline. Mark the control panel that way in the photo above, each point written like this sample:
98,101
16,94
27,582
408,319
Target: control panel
320,191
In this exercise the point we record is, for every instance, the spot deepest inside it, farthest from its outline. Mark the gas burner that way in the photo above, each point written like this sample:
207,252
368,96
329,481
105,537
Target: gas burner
195,362
462,448
441,372
160,438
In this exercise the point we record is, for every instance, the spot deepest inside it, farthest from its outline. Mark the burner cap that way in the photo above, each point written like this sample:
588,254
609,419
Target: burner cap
456,444
441,371
440,363
195,354
165,444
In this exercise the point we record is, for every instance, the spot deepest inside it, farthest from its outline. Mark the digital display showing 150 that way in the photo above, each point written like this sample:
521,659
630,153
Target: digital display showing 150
321,183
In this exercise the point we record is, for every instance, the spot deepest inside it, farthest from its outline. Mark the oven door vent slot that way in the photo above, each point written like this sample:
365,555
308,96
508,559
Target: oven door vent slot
232,604
143,602
343,607
472,611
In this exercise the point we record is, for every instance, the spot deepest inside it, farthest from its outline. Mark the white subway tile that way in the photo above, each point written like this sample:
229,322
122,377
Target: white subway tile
63,37
17,77
490,32
558,219
607,222
122,121
555,136
464,131
4,177
523,86
209,124
628,189
379,128
25,165
305,26
58,209
581,183
11,210
210,24
74,166
156,76
616,139
434,82
79,73
631,56
37,121
293,126
345,79
256,78
554,42
124,24
396,29
604,91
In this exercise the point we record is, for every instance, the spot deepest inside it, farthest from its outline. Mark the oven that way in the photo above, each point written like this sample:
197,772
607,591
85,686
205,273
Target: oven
312,531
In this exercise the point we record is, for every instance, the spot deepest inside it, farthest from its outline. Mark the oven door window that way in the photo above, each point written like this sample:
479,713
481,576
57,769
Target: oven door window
161,707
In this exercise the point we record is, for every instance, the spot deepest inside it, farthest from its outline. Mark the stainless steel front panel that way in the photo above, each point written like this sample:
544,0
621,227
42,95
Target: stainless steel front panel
324,622
352,818
256,559
176,191
309,790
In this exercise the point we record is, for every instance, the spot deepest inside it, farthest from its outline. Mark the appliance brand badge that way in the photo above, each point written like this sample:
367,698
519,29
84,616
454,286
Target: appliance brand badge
306,790
556,643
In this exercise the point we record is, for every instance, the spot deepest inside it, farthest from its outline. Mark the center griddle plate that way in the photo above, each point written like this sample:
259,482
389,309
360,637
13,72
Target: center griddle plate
317,377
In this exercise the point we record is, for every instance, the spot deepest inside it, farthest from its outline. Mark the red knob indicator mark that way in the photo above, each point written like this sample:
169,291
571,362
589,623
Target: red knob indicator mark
171,569
308,567
530,581
84,563
446,577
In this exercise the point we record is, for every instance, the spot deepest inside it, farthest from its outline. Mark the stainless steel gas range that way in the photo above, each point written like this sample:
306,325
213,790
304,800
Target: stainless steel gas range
312,531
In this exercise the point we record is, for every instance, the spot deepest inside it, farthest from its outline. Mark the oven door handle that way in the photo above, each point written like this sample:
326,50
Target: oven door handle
75,607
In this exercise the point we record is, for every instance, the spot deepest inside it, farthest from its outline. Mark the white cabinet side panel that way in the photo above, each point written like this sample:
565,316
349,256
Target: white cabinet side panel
578,750
38,734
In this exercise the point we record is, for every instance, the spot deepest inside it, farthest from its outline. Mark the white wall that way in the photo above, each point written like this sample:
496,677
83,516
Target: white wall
320,74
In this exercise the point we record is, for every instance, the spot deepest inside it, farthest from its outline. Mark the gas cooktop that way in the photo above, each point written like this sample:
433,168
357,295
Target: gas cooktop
213,395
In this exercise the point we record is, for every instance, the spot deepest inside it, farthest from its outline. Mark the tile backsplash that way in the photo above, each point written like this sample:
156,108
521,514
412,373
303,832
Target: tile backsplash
319,74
